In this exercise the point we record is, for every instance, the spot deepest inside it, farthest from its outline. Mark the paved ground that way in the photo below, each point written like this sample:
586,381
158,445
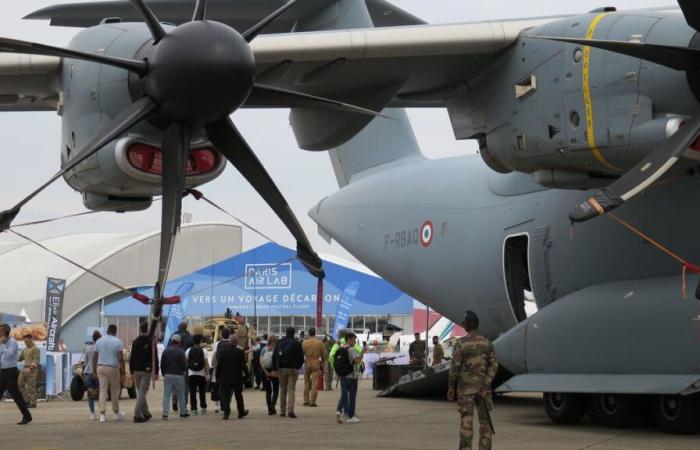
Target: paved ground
386,424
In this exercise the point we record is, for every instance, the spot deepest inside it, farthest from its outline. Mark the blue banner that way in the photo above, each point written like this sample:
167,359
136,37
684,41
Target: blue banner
178,311
54,310
272,281
344,309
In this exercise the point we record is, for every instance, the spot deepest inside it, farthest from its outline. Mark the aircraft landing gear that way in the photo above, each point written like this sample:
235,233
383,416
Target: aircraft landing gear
565,408
615,410
677,414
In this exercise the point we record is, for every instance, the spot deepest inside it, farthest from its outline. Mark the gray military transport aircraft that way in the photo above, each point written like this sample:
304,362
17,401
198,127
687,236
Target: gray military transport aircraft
605,100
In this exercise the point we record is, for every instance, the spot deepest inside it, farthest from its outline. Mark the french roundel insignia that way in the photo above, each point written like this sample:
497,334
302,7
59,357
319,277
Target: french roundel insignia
426,233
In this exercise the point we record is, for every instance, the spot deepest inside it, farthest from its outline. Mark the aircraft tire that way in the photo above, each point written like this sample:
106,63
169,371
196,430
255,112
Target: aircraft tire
565,408
615,410
677,414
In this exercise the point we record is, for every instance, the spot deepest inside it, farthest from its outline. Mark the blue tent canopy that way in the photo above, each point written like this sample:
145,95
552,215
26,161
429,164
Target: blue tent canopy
270,279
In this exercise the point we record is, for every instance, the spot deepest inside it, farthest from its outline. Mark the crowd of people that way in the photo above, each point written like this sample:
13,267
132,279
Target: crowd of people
273,365
267,363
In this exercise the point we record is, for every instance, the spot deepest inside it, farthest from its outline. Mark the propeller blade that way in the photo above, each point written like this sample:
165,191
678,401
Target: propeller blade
200,10
33,48
176,144
691,11
679,58
228,140
256,29
150,18
640,176
264,95
121,123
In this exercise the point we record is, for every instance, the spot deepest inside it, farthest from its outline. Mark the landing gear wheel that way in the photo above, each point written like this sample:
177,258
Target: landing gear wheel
615,410
677,414
565,408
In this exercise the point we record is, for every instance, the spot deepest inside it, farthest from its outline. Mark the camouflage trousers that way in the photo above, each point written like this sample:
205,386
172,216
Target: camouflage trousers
466,434
27,386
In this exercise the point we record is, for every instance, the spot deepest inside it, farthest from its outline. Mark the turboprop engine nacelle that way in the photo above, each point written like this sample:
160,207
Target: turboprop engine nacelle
577,117
126,173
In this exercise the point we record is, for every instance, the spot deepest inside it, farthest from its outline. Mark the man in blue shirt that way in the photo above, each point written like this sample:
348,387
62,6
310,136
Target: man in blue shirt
9,372
108,364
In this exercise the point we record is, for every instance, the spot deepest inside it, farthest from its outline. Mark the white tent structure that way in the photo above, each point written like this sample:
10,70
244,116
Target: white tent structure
129,259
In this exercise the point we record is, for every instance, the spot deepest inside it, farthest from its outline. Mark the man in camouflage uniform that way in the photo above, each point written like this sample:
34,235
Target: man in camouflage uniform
27,377
473,368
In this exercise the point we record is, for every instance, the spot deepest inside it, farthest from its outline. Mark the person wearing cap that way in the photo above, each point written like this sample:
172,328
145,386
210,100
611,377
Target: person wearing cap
27,377
173,364
472,370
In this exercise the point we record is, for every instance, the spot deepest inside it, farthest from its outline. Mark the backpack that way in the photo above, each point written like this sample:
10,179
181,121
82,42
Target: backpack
341,362
285,358
267,360
195,359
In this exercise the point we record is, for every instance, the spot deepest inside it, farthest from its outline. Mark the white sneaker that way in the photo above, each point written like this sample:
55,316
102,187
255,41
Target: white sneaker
339,417
353,420
93,416
119,416
103,419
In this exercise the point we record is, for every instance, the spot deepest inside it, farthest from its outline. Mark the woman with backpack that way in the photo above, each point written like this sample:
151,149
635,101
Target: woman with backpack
271,383
347,364
197,374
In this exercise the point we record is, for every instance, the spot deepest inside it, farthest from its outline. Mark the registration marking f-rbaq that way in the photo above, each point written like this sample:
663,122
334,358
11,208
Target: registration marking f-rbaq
420,236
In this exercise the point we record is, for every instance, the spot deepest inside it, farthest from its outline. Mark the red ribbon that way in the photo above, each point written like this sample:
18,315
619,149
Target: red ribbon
142,298
147,301
171,300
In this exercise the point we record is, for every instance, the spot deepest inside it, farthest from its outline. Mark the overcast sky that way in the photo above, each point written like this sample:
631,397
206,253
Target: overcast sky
30,141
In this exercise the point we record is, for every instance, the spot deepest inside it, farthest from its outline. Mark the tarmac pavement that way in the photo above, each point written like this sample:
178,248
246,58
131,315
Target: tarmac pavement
407,424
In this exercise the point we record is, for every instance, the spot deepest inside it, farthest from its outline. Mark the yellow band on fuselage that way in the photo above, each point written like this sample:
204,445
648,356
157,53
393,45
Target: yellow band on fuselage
590,128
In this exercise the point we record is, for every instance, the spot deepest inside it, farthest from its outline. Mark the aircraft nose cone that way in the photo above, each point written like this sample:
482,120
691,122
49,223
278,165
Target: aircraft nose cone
200,71
314,212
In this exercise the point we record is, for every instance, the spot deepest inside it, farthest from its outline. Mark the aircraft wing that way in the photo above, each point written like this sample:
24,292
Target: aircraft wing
412,66
405,66
28,83
239,14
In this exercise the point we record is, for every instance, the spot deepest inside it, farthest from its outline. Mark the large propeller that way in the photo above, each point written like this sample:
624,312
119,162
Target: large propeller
659,161
189,88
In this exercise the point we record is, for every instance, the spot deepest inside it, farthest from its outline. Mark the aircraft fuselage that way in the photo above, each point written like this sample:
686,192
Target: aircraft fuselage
441,229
